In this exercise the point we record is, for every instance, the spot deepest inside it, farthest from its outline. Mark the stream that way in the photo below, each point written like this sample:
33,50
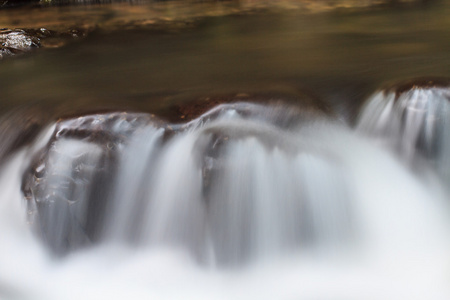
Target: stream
225,151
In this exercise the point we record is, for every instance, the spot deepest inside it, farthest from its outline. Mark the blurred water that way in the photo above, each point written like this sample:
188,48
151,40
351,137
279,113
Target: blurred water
231,206
245,201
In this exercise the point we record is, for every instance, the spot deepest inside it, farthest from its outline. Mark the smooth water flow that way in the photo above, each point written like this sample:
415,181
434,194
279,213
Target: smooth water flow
274,166
247,201
414,122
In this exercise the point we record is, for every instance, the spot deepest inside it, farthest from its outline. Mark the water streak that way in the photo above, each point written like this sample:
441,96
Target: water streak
232,205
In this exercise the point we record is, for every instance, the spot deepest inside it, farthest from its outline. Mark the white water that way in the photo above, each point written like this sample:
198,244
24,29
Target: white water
313,211
415,123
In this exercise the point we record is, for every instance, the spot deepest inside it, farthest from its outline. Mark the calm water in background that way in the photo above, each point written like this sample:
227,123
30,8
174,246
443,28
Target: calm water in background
341,57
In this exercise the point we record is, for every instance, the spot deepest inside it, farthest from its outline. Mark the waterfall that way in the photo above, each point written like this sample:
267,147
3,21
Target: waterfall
413,122
247,201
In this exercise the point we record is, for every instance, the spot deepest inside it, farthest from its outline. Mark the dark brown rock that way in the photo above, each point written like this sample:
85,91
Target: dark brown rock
417,84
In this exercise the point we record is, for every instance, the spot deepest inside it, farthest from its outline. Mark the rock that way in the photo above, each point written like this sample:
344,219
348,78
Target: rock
70,180
16,41
300,106
412,118
417,84
68,184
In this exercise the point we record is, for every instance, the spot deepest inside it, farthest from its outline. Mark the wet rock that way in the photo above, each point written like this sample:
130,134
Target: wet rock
412,117
15,41
417,84
72,178
237,143
227,124
69,181
284,107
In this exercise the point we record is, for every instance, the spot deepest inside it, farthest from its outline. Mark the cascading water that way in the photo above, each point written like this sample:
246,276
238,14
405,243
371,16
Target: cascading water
247,201
412,121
